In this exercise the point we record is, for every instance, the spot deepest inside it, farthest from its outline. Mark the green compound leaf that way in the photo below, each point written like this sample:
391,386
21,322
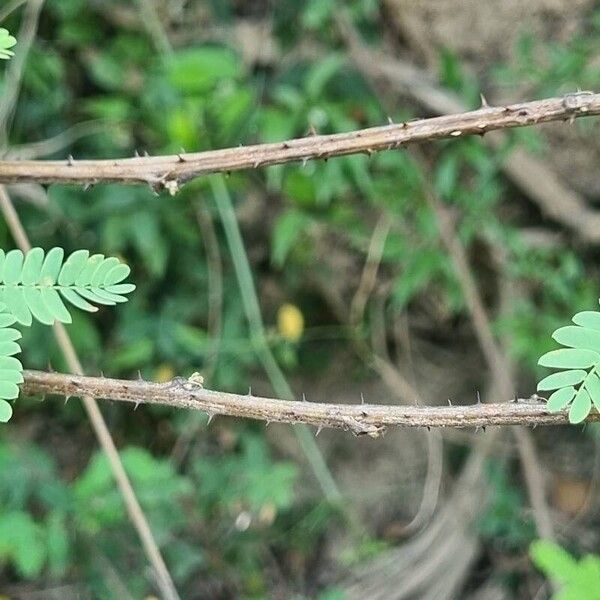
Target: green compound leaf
578,384
11,369
36,285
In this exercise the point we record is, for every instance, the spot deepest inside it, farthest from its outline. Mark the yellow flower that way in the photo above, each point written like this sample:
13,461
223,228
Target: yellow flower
163,373
290,322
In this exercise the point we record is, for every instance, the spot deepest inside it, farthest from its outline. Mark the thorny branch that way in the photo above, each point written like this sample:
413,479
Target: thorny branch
360,419
170,172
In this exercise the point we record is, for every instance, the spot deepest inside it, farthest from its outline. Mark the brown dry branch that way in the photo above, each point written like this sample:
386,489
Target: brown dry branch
529,173
360,419
170,172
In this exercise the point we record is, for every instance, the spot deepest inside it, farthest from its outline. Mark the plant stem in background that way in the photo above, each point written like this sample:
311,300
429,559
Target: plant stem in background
258,337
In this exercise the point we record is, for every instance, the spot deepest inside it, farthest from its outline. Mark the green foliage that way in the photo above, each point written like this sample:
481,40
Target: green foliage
578,384
6,41
578,580
31,287
11,369
503,520
248,479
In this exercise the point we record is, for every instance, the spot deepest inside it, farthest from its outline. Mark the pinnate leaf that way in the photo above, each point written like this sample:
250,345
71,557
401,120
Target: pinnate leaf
34,285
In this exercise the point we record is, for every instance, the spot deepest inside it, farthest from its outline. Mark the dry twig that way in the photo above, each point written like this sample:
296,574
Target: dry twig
369,419
170,172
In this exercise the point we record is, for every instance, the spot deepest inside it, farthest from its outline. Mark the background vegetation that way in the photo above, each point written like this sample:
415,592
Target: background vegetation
357,293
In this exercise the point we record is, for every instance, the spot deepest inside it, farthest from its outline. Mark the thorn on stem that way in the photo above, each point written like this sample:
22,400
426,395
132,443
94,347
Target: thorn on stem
478,398
484,102
70,160
210,416
319,429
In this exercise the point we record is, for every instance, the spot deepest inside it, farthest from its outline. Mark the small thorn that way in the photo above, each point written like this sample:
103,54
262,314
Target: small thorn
70,160
390,120
312,130
181,158
267,423
319,429
303,397
50,368
210,416
136,154
449,402
136,405
146,153
250,391
102,374
66,399
256,164
304,161
484,102
478,398
362,398
139,375
86,186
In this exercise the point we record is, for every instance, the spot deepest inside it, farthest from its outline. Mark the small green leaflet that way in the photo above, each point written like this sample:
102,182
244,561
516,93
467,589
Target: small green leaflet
577,384
6,41
40,285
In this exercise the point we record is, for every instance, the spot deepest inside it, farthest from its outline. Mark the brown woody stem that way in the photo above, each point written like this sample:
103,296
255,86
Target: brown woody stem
360,419
169,172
